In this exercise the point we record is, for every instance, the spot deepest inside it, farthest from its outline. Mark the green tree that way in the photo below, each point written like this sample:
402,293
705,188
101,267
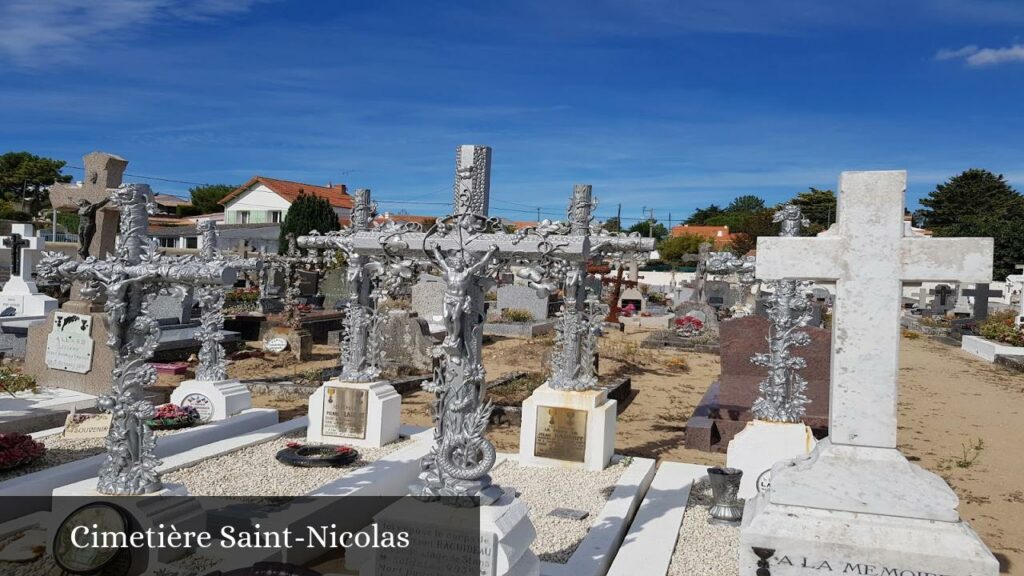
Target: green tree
818,206
306,214
644,229
22,173
673,249
745,205
207,198
612,224
978,203
752,226
702,215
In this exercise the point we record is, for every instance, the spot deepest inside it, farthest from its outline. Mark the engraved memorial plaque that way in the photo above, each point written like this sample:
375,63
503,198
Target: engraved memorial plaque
11,304
201,403
69,344
561,434
344,412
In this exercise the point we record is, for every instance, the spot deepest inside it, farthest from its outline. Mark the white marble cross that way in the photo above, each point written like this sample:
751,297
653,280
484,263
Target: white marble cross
868,255
23,283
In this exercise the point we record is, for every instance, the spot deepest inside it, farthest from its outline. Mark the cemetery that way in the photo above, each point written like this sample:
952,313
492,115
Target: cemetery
691,439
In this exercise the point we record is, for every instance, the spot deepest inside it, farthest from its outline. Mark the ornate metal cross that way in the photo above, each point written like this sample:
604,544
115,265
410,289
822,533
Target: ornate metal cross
369,282
211,304
289,264
16,243
782,397
468,249
130,280
579,322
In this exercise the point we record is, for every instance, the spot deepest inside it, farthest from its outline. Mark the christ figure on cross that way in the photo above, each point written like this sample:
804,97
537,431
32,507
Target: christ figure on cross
458,275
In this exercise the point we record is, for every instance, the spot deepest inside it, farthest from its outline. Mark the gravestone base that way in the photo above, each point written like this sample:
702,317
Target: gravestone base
168,506
567,429
505,536
372,417
761,444
214,400
97,379
805,541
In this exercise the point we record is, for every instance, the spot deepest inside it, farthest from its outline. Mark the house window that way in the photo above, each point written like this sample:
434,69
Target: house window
275,216
192,242
243,217
167,241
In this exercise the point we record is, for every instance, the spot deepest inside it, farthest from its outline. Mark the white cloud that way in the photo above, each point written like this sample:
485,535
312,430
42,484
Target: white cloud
977,57
41,32
946,54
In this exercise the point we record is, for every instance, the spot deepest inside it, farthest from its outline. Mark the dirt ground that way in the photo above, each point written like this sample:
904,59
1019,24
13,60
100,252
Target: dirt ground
959,417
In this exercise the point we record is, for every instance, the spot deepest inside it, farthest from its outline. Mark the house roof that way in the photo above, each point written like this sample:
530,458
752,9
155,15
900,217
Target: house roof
335,194
168,200
719,235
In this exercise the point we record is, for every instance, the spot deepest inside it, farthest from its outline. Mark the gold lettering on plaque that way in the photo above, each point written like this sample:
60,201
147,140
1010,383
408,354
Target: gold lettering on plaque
344,412
561,434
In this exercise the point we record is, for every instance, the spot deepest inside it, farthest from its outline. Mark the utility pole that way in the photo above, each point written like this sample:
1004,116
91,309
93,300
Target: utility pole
618,217
650,222
538,214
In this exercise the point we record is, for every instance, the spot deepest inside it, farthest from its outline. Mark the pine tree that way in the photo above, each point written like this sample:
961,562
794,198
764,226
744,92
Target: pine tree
306,214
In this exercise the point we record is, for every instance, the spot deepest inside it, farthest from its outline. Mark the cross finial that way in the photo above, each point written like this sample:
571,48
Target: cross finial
580,208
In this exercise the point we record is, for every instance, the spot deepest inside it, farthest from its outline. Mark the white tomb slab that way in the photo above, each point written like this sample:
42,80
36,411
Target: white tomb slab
856,500
354,413
213,400
568,429
20,292
760,445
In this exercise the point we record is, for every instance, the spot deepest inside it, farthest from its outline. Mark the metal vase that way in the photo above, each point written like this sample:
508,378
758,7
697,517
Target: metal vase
725,487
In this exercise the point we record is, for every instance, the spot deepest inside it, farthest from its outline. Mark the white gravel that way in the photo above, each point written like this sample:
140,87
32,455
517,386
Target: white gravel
253,471
704,548
60,450
545,489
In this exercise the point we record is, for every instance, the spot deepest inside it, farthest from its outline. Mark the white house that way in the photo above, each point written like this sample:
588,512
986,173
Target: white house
264,200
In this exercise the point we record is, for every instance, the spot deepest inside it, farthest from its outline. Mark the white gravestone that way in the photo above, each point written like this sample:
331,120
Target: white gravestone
69,346
856,501
354,413
568,429
213,400
20,293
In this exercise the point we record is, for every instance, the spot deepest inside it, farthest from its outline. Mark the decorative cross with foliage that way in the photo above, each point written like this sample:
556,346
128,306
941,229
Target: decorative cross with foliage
130,280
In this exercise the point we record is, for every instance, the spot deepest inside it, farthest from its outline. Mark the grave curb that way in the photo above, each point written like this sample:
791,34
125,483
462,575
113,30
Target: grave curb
654,532
595,553
987,349
43,482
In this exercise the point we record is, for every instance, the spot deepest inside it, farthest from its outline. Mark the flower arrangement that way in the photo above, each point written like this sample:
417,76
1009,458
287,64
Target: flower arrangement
1002,327
172,417
316,455
687,326
628,310
13,381
242,296
516,315
19,449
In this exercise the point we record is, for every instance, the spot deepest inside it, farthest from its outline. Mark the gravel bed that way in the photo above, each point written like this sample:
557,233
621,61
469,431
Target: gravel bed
704,548
545,489
60,450
253,471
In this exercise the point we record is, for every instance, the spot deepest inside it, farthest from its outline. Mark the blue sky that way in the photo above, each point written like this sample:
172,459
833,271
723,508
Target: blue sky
670,104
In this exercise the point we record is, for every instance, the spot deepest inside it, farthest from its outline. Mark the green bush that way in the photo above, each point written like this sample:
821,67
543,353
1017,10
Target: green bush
1001,327
12,381
516,315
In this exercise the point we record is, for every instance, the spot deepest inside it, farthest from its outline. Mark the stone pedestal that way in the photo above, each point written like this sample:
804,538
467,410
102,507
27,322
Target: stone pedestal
567,429
861,510
761,444
214,400
170,506
505,534
355,413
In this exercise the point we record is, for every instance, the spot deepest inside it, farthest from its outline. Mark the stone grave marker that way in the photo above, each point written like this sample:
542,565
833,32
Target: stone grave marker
981,294
856,500
516,297
20,296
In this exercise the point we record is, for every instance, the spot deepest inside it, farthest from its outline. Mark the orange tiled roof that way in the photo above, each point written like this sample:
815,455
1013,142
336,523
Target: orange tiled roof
719,235
336,194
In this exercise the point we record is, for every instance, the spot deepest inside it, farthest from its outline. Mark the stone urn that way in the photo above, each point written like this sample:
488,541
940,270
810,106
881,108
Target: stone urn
725,487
